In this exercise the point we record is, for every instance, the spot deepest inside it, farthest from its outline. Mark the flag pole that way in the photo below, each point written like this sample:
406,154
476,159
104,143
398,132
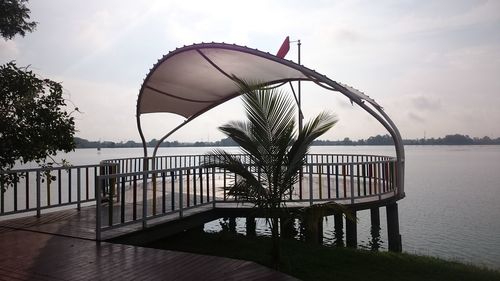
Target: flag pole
283,50
299,90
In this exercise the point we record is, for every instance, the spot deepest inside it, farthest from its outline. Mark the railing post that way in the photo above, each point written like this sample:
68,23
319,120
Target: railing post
301,176
117,170
381,180
98,209
320,179
153,178
351,170
69,185
393,178
16,178
38,194
213,187
2,198
48,180
102,171
224,183
78,189
310,185
181,197
144,198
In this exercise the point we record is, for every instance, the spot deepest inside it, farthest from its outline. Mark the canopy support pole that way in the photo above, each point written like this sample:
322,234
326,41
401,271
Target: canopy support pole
301,116
300,91
141,134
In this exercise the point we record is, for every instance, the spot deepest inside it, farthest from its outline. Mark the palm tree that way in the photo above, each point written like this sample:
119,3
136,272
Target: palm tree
275,152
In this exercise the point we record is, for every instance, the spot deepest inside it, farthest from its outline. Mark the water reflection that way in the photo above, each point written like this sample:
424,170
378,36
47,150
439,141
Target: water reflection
338,237
333,234
224,224
375,241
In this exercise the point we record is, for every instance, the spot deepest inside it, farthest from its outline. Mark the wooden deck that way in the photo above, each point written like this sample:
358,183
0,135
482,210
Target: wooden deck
61,246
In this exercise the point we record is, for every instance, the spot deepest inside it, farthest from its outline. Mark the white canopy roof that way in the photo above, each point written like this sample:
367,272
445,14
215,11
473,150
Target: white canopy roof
194,79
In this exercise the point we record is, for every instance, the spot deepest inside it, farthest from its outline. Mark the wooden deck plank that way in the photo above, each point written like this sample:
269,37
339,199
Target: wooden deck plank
51,248
28,255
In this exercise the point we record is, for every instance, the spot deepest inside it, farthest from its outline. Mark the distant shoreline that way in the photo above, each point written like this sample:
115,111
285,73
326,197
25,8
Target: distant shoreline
378,140
191,146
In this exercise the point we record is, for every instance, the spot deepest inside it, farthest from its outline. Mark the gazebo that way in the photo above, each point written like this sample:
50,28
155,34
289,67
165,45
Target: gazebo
191,80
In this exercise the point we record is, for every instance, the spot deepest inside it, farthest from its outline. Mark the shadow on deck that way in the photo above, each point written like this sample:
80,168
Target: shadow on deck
61,246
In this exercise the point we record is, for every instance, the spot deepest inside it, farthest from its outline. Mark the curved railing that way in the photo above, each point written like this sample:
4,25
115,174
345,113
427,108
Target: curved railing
137,164
173,185
178,184
368,175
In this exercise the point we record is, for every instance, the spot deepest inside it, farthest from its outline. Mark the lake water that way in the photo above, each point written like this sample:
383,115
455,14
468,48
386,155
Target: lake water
451,209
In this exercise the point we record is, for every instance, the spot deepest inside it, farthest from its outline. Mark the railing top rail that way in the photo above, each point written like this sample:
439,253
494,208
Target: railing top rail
242,154
348,154
158,171
110,161
23,170
351,163
194,167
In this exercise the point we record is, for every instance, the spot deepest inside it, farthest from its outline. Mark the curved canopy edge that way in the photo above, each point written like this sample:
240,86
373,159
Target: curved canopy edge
193,79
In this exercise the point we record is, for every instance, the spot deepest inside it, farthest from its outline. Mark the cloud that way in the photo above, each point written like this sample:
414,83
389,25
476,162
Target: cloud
108,109
474,58
440,16
347,35
415,117
343,103
426,103
9,49
187,22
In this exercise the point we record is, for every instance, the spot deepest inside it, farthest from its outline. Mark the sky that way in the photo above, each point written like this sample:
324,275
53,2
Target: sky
434,66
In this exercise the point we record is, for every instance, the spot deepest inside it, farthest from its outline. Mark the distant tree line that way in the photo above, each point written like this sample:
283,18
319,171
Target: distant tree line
83,143
455,139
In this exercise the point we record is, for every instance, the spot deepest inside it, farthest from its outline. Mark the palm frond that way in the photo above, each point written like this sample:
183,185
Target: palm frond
270,139
311,130
242,134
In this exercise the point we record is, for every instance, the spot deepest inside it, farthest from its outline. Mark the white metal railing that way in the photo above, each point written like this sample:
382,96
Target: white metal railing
128,194
37,189
141,196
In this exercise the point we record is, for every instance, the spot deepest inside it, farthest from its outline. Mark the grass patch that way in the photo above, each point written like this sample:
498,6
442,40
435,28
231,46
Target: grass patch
313,262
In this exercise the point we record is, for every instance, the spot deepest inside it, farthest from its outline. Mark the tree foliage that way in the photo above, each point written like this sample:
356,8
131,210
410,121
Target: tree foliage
275,150
14,18
34,121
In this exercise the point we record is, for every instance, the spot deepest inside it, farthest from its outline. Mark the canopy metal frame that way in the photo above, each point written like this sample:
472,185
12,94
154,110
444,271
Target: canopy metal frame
356,96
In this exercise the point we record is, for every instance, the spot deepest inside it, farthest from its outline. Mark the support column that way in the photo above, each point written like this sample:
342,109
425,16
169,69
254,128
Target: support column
375,217
314,229
199,228
339,229
351,231
320,231
232,224
393,228
375,241
251,226
287,227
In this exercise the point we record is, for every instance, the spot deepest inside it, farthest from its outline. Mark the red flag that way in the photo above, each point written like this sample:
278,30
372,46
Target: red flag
285,47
